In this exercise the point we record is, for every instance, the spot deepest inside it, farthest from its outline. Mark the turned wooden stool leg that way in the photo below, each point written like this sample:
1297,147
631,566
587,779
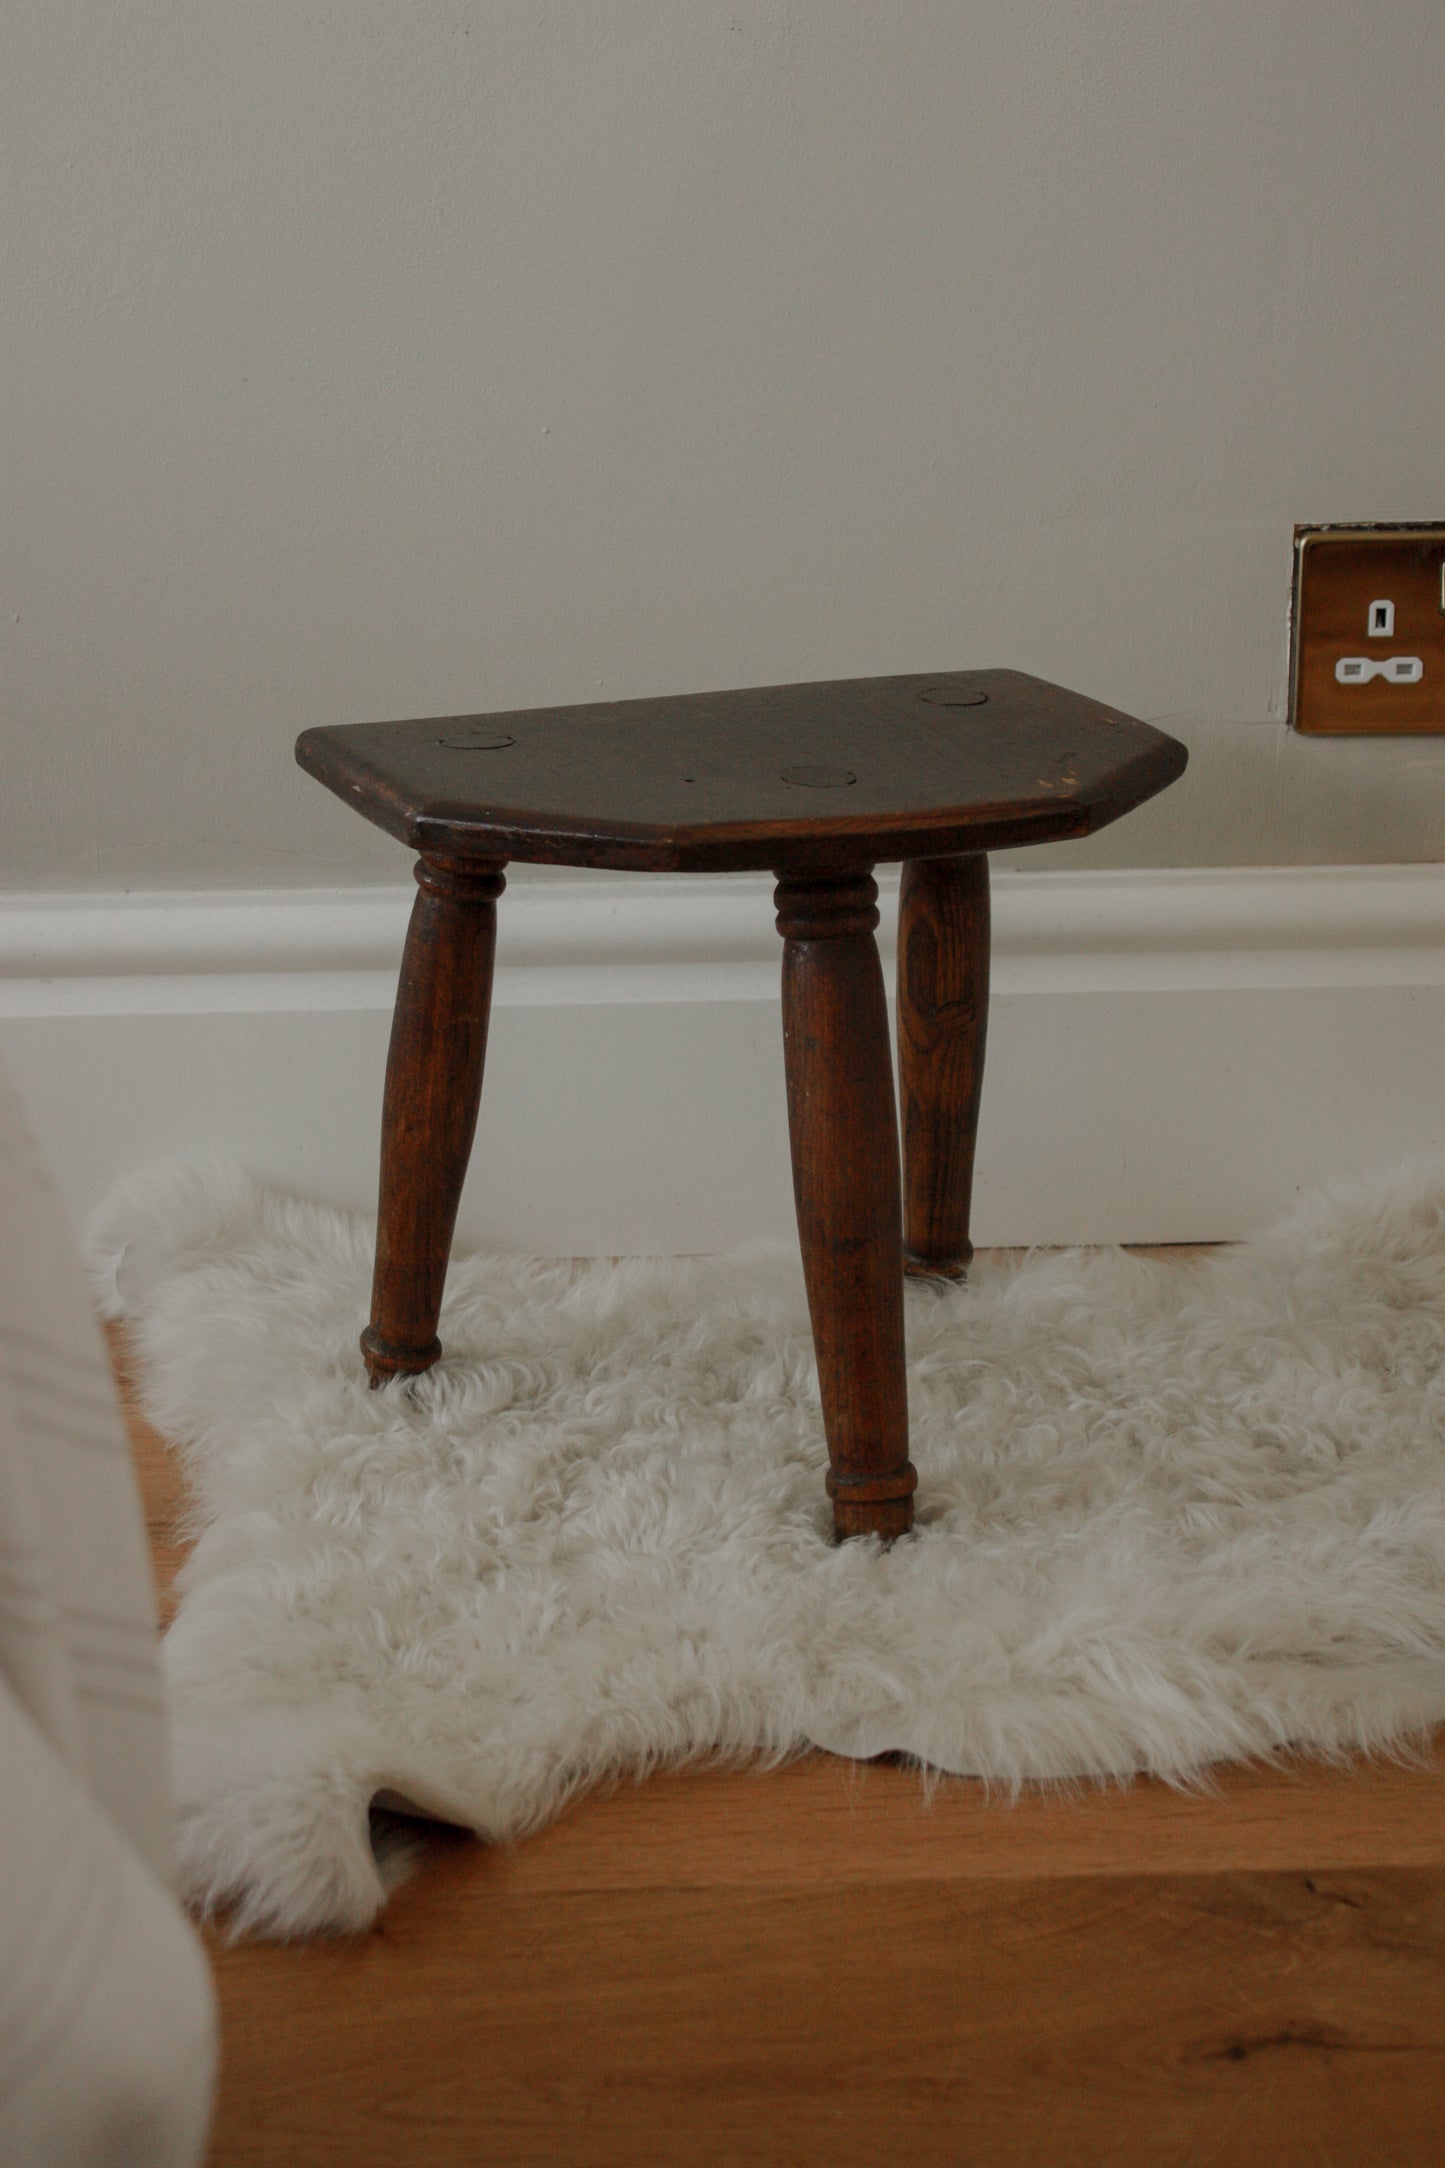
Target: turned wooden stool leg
429,1112
943,944
845,1179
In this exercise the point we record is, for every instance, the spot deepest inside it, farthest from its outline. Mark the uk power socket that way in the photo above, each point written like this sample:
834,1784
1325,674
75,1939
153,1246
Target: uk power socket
1367,629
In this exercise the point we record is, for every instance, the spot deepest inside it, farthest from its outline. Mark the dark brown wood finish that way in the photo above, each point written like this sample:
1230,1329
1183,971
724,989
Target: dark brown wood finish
943,960
816,783
781,776
429,1111
845,1180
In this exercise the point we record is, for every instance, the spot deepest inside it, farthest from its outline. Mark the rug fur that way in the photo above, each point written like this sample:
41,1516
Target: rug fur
1166,1515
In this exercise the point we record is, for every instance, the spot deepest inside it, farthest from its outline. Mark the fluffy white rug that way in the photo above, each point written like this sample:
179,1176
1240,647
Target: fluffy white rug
1167,1514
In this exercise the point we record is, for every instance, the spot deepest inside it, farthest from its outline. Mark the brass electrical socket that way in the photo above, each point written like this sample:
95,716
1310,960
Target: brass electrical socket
1367,630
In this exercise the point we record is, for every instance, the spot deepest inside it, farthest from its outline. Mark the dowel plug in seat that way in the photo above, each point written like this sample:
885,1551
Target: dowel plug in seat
816,784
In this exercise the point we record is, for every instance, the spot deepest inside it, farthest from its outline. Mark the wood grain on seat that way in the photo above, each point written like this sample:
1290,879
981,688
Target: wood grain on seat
851,771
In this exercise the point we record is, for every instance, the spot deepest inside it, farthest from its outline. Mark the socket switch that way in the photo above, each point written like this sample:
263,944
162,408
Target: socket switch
1367,630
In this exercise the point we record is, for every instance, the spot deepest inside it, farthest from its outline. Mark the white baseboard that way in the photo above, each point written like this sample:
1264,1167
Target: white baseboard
1171,1054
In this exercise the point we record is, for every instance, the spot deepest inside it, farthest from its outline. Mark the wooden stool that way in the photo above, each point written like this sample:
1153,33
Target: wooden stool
816,783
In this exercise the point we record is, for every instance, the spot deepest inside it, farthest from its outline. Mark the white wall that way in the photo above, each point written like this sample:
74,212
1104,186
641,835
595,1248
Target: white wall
374,359
379,359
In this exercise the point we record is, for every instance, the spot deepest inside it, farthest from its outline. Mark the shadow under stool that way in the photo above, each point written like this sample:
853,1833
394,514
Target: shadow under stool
816,784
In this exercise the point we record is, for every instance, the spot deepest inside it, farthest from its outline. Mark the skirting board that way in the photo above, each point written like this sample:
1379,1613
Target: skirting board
1171,1054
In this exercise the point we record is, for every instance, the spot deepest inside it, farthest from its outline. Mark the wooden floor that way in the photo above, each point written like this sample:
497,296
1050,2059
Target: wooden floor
817,1965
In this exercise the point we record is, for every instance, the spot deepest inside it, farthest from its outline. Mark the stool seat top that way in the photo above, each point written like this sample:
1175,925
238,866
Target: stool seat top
846,773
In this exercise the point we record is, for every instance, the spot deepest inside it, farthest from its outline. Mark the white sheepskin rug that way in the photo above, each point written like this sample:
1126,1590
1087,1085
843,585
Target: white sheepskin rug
1167,1514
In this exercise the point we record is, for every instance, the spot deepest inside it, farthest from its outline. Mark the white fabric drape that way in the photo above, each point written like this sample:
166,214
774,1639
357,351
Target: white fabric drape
107,2016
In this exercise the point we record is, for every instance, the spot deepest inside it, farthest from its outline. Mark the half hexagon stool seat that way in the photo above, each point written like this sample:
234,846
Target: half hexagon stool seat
816,784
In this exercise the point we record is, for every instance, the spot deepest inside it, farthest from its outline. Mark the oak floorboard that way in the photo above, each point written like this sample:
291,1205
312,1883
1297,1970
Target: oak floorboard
1234,2017
827,1963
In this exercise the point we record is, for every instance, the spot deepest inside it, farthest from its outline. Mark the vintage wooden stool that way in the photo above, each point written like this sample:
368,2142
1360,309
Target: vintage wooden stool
817,784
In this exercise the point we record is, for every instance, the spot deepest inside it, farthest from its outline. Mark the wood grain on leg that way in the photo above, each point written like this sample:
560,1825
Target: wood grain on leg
844,1136
429,1116
943,958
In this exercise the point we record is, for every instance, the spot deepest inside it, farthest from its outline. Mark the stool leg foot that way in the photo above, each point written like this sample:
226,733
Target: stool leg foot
429,1111
943,959
845,1180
